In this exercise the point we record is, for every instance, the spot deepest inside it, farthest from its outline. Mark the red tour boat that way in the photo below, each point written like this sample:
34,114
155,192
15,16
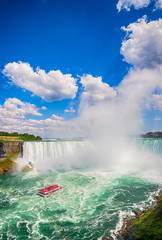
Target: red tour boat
45,192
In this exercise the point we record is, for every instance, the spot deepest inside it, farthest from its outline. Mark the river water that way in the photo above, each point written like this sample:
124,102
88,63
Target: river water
93,202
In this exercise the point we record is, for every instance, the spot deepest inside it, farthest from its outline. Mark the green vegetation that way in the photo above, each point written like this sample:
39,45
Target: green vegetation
5,136
148,225
8,138
7,165
152,135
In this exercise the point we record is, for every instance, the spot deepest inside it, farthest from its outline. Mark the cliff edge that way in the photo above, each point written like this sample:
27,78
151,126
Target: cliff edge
147,225
10,147
9,151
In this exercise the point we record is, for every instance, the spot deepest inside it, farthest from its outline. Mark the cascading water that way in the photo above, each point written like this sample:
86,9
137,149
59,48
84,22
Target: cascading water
45,155
154,145
93,201
56,154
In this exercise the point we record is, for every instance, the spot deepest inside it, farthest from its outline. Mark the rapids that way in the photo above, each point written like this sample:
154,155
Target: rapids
92,204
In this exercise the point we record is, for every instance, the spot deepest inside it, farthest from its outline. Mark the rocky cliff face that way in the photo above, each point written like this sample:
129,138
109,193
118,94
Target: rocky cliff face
10,148
9,151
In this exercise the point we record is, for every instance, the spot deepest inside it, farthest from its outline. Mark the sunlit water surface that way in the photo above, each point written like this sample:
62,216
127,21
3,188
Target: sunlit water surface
92,204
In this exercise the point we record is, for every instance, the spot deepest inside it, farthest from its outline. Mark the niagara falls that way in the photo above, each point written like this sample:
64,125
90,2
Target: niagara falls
81,120
97,195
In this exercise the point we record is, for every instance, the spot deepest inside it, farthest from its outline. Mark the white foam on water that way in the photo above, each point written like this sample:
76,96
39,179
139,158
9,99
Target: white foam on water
123,215
99,171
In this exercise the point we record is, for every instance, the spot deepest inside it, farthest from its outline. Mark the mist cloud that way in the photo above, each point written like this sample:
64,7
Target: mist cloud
95,90
156,102
103,110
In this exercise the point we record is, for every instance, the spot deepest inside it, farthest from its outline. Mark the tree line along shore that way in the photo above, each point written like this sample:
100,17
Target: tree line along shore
5,136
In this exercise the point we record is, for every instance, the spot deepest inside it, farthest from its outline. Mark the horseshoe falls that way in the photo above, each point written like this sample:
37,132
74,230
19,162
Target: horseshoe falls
102,185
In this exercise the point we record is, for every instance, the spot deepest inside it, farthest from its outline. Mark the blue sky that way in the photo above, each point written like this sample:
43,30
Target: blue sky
76,38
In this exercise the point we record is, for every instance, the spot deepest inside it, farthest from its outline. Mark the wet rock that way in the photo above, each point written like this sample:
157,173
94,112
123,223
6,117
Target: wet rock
146,225
137,213
10,148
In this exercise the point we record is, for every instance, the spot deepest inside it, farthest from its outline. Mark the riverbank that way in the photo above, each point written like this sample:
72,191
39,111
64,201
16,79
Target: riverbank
146,225
7,165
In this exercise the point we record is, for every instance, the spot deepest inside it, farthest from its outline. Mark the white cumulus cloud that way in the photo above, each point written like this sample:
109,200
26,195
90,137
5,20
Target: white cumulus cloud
71,110
106,111
55,117
143,45
95,89
50,86
128,4
14,108
158,4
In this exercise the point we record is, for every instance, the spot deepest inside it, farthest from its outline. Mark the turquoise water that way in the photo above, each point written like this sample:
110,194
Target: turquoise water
89,206
154,145
92,204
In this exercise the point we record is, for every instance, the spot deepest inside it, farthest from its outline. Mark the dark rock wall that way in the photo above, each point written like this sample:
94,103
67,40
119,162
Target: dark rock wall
11,148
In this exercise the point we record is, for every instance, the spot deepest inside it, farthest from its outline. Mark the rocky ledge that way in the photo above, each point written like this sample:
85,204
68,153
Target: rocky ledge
147,225
9,151
10,147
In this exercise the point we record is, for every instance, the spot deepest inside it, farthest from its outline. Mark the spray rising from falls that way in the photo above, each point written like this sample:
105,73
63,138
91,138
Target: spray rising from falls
132,155
47,155
95,198
93,203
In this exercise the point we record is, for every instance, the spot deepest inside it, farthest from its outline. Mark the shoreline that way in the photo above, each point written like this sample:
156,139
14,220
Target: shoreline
146,224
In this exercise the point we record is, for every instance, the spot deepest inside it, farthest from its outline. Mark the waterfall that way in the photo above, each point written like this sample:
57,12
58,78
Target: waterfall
153,145
70,154
46,155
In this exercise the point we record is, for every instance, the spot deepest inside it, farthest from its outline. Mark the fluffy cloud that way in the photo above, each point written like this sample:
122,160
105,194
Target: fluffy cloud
113,115
104,112
143,45
50,127
13,115
95,89
155,102
128,4
50,86
158,4
14,108
71,110
137,4
55,117
139,84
